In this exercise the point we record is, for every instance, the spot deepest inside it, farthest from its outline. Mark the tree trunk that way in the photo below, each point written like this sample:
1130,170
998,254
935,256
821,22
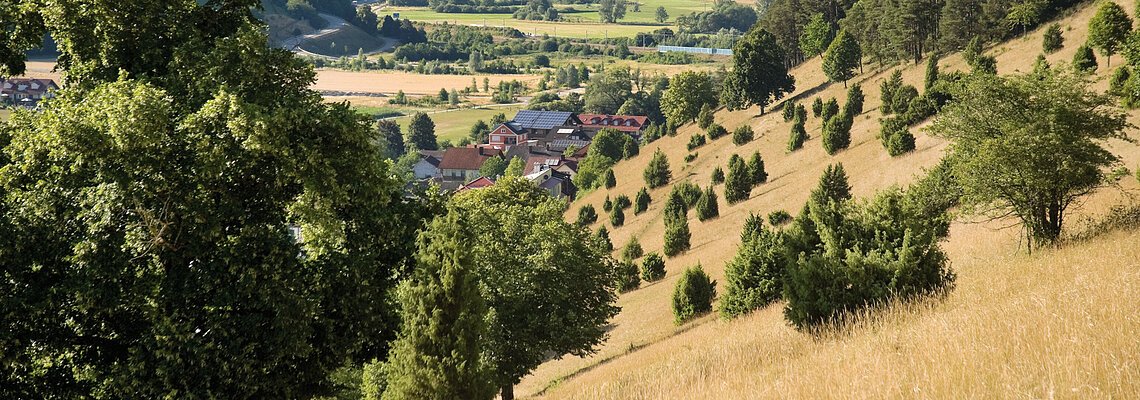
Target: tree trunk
508,392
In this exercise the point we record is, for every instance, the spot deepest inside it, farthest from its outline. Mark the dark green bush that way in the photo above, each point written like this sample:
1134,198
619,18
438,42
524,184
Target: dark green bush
695,141
738,183
779,217
887,91
705,116
693,295
789,111
707,207
817,107
718,175
608,204
900,100
602,240
1118,81
657,173
677,233
641,201
632,250
798,136
837,133
895,136
652,267
689,193
1084,60
1052,41
715,131
756,169
854,105
692,156
610,180
742,134
617,217
626,275
754,278
587,215
622,201
830,109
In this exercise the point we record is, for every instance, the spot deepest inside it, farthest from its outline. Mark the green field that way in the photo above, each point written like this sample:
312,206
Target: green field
581,24
4,114
455,125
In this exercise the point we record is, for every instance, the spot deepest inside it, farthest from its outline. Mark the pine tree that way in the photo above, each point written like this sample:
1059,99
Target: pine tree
931,72
438,353
887,91
1052,40
756,169
798,135
693,295
421,132
717,175
1084,60
641,201
854,105
842,57
742,134
817,107
632,250
677,233
610,180
657,172
754,277
829,110
617,217
837,133
587,215
652,267
738,183
602,239
1108,29
832,186
707,207
705,116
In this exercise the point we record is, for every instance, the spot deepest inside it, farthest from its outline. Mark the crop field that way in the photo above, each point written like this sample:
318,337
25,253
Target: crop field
584,22
389,82
455,124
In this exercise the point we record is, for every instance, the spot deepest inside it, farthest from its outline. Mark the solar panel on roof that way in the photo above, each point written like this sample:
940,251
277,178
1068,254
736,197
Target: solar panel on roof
533,119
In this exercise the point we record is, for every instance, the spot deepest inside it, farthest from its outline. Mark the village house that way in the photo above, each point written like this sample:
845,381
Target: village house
26,92
631,124
556,183
428,165
461,164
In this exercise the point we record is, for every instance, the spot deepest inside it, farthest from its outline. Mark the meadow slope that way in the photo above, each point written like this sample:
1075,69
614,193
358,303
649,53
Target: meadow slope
1054,323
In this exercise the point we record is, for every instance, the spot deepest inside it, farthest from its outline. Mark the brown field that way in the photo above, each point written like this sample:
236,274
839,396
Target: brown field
1059,323
389,82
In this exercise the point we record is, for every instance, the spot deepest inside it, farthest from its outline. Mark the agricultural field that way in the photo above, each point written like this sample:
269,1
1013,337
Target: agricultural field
389,82
4,114
584,22
456,124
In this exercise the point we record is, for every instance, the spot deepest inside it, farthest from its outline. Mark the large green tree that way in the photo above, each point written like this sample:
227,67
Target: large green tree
439,353
608,90
421,132
186,218
816,36
549,289
611,10
687,93
1108,29
841,58
759,75
1029,146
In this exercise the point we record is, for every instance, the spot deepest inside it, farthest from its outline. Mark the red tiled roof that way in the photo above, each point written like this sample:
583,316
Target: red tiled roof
478,183
467,158
624,123
27,86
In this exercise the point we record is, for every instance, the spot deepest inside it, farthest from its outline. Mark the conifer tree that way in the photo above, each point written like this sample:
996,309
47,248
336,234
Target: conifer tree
1052,40
677,233
756,169
754,277
641,201
438,353
798,136
717,175
652,267
705,116
602,240
855,97
887,91
617,217
421,132
611,180
693,295
657,172
738,183
707,207
1084,60
742,134
632,250
837,133
587,215
931,72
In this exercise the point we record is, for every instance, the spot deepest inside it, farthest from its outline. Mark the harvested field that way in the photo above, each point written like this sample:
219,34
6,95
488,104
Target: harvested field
389,82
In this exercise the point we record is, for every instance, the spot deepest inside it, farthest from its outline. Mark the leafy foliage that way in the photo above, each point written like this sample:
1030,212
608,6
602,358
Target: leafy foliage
1108,28
1029,145
841,58
687,93
816,37
895,136
1052,39
587,215
551,263
759,75
421,132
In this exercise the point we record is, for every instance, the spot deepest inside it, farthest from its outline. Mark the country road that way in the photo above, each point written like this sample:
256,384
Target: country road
335,24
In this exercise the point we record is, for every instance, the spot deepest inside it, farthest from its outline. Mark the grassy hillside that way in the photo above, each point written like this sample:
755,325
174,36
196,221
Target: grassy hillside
348,41
1011,326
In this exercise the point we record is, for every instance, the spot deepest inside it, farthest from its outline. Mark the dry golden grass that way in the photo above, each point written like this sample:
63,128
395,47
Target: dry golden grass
1059,323
389,82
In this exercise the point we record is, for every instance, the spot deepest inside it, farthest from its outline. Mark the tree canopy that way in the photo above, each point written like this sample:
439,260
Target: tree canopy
1028,146
687,93
758,75
841,58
